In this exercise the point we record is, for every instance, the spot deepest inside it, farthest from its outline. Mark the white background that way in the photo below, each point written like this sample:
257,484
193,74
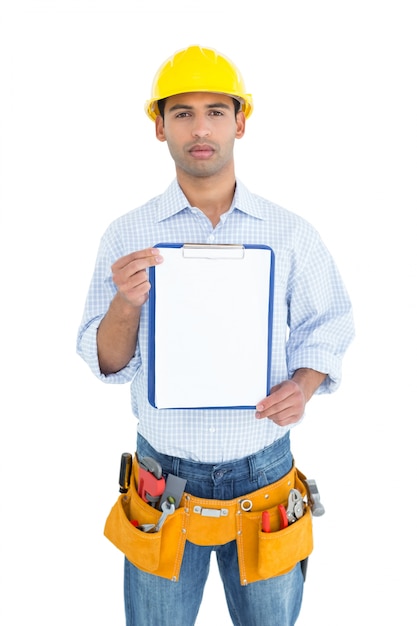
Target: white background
333,138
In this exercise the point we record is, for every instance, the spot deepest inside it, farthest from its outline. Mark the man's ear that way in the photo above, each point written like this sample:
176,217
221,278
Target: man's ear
240,124
159,128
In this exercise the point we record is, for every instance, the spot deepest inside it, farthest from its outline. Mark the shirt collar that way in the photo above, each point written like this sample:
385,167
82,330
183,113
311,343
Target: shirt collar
173,201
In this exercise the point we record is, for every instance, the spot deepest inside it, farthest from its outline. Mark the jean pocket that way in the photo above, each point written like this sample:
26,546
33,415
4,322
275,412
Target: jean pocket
274,472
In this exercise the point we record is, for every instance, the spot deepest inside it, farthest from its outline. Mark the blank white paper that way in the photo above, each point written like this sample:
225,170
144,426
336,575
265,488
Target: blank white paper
211,328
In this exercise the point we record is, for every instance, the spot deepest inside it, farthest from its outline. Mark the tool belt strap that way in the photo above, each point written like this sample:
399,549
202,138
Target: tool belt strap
216,522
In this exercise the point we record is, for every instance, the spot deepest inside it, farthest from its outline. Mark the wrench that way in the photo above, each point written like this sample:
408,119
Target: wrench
167,508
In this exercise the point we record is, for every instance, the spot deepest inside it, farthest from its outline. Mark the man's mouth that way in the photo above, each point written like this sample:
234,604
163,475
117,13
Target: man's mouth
202,151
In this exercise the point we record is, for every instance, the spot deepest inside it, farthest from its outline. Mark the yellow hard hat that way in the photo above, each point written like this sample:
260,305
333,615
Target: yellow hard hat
198,69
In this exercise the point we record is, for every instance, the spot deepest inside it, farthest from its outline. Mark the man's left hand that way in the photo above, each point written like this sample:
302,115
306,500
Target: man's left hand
285,404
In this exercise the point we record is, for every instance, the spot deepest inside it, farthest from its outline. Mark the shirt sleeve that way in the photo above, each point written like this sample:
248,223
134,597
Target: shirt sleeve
100,294
320,316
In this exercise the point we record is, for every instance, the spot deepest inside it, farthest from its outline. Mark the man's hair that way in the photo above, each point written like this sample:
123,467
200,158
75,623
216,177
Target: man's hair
161,106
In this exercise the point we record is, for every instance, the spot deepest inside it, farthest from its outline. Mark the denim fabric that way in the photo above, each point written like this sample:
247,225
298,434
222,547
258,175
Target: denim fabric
155,601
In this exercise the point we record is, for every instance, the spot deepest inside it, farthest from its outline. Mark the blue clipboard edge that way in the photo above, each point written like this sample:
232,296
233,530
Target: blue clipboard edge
151,329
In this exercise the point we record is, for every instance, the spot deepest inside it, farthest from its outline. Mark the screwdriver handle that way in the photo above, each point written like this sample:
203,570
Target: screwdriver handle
125,472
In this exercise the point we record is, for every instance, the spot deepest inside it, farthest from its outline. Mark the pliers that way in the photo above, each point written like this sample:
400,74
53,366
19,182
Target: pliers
295,508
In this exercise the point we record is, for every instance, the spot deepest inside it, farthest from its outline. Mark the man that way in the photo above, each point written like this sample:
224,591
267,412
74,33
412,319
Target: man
200,106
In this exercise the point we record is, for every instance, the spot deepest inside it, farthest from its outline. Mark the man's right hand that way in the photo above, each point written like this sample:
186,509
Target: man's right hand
130,276
118,331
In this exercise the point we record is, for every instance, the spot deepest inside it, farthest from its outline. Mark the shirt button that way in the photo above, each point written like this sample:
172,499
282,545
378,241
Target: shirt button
212,429
210,238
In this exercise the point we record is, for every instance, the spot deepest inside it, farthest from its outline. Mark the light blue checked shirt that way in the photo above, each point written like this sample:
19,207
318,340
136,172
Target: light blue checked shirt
312,319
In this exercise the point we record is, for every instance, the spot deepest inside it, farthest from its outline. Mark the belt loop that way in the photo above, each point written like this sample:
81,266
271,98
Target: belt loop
176,462
253,470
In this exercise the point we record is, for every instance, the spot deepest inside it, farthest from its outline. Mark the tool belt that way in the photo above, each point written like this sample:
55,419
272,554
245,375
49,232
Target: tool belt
207,522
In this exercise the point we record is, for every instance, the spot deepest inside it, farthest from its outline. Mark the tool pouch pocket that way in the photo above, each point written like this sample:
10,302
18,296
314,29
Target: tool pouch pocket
281,550
157,553
265,555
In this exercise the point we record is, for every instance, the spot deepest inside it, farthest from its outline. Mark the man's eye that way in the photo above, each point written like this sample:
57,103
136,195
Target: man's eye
216,113
183,114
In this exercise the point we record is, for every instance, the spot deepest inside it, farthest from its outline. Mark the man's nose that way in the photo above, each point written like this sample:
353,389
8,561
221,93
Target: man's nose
201,127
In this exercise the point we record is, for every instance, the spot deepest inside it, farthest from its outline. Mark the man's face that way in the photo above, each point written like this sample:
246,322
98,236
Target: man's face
200,129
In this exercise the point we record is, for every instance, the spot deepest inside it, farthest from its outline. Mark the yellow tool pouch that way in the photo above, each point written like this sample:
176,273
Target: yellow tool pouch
204,522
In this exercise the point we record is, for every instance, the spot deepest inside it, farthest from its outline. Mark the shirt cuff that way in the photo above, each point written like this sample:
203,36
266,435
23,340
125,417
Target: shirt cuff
87,349
320,362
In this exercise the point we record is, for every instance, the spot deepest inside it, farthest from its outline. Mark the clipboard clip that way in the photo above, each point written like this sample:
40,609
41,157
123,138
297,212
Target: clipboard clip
213,251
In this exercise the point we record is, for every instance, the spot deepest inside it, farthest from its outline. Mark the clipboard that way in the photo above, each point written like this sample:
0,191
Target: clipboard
210,326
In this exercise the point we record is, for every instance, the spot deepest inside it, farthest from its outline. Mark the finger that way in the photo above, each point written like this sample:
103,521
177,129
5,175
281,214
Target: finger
139,259
278,405
136,289
134,273
281,416
136,281
279,393
268,403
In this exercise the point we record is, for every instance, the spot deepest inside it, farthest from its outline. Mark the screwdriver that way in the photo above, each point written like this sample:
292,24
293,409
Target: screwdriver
125,471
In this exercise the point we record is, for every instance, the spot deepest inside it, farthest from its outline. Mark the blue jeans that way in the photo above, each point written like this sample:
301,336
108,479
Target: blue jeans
155,601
